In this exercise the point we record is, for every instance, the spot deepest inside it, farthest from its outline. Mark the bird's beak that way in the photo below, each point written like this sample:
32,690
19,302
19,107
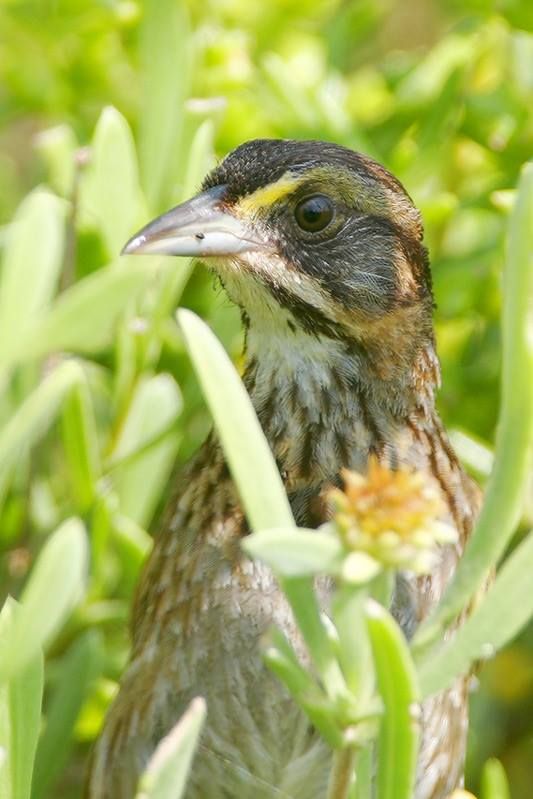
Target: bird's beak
200,227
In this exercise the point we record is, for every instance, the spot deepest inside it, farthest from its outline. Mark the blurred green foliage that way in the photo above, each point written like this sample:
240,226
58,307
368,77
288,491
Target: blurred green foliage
440,92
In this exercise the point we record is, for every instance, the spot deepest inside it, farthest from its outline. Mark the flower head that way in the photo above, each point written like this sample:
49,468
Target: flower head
390,517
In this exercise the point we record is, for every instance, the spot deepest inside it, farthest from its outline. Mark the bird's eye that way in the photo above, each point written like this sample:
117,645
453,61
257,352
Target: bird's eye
314,213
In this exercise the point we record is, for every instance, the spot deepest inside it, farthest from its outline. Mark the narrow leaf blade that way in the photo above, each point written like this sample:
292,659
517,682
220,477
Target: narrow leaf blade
20,713
397,684
257,478
249,457
55,585
494,784
25,695
166,774
155,406
165,51
295,552
78,670
110,193
83,319
505,491
79,429
31,265
36,413
504,611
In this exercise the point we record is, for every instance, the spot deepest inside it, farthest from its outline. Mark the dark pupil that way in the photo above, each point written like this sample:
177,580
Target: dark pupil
314,213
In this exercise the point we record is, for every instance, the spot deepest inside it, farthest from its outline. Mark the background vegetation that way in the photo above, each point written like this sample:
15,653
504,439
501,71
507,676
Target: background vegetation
440,92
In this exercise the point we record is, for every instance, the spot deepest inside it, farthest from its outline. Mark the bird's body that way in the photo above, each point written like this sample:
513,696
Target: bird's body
340,363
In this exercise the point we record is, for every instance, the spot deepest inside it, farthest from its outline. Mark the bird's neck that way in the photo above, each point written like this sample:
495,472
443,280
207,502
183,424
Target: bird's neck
326,403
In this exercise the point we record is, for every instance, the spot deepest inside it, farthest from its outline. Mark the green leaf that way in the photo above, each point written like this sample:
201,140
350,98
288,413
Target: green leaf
36,413
57,147
73,680
20,713
31,265
397,684
54,586
494,783
166,774
198,160
83,319
165,51
283,662
355,655
245,446
504,611
126,365
282,659
478,458
425,83
110,195
506,487
359,568
155,406
81,443
289,90
102,513
295,552
257,478
133,544
364,773
303,601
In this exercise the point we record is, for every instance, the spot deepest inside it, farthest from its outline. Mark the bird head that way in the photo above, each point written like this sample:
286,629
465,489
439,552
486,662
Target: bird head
307,235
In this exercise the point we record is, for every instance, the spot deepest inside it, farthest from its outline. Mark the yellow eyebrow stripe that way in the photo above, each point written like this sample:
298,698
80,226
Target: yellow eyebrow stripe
268,195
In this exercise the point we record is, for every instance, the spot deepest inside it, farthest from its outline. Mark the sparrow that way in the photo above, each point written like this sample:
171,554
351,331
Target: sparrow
321,248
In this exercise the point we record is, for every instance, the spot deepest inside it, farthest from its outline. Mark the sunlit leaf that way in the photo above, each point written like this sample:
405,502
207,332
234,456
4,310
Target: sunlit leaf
57,147
36,413
155,406
55,585
503,612
354,651
81,444
494,784
31,265
506,487
295,553
397,685
133,544
166,774
83,319
20,714
244,442
257,478
425,82
111,197
73,679
474,455
166,57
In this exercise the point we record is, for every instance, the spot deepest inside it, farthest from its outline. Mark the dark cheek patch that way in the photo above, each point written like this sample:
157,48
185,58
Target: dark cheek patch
357,267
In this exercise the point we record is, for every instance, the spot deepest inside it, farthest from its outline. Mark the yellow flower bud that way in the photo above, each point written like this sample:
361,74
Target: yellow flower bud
392,516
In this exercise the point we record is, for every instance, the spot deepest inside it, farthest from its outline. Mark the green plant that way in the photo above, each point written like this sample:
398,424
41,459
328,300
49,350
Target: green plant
87,344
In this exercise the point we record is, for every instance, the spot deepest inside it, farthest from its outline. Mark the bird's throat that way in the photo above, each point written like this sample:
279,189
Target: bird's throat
324,406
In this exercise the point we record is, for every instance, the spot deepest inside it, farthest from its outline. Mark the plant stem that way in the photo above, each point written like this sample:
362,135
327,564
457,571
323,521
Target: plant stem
342,773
